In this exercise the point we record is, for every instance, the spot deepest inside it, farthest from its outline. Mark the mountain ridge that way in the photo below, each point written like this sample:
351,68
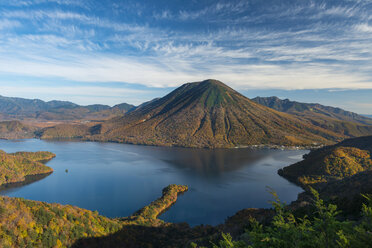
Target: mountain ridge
335,119
16,108
288,106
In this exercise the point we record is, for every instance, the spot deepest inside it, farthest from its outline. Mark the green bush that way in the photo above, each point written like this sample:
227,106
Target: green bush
321,229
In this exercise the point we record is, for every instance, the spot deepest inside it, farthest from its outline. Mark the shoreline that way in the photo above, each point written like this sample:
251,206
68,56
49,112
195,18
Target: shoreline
28,179
252,147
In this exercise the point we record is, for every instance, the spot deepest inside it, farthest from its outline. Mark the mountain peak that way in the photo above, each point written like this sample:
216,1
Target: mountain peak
210,92
213,82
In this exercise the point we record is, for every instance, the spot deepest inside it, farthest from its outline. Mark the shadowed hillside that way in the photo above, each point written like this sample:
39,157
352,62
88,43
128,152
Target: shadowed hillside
210,114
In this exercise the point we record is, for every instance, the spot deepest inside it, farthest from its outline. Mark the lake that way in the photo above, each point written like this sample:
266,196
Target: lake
118,179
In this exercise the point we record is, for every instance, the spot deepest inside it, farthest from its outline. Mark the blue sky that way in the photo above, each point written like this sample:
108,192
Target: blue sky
112,51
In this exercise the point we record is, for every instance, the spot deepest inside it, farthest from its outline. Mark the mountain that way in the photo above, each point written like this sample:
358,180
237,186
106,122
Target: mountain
338,120
13,108
124,106
294,107
210,114
20,106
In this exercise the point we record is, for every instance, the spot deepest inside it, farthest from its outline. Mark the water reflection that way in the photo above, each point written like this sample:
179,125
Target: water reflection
28,180
212,163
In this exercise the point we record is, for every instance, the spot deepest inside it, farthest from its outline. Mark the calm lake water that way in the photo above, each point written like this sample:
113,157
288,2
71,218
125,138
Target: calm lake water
118,179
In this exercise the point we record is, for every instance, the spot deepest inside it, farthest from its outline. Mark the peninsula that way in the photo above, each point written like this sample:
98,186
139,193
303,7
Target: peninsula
17,167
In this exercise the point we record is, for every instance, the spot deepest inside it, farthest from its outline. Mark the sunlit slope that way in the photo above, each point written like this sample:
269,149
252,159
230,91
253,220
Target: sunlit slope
336,162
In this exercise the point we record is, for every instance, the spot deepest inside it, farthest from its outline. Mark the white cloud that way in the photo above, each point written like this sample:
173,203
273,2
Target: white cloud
146,71
364,28
68,15
22,3
5,24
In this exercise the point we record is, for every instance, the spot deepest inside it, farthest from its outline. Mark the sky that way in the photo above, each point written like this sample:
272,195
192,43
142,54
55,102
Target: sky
113,51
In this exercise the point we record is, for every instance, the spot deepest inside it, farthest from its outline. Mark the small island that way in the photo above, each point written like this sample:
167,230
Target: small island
20,166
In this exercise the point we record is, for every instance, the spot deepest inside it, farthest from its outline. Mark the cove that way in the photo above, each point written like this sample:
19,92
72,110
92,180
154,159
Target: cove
118,179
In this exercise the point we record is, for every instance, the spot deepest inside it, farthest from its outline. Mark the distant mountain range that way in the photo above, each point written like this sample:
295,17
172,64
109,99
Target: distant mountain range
13,108
313,109
209,114
335,119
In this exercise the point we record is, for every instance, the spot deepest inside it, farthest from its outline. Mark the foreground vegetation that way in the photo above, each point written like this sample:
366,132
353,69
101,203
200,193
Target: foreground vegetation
322,228
15,167
25,223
